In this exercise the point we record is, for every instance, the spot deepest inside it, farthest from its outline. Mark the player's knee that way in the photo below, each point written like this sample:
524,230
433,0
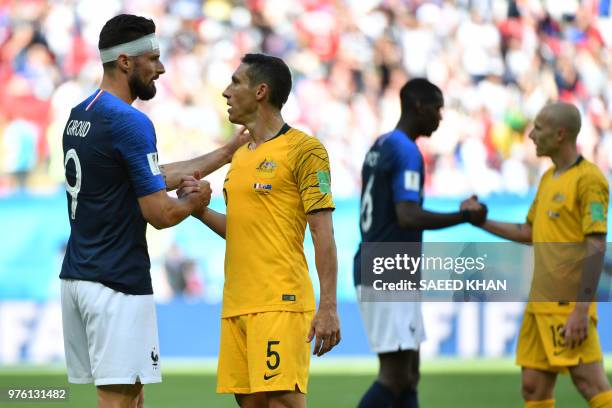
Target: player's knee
533,390
399,371
400,380
528,389
411,380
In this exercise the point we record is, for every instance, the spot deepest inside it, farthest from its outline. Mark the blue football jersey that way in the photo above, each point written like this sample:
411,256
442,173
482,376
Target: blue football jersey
392,172
110,160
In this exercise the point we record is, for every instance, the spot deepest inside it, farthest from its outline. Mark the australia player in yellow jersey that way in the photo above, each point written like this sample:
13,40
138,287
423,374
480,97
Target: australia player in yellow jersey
276,184
570,207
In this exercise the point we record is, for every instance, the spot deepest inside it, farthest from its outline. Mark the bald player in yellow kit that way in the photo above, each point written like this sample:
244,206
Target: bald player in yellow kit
275,185
567,221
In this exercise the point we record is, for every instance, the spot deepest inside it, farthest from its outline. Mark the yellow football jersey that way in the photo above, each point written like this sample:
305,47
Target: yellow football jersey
268,192
566,208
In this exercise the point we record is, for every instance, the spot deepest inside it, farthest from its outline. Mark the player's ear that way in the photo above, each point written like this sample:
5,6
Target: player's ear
124,62
561,134
418,106
262,91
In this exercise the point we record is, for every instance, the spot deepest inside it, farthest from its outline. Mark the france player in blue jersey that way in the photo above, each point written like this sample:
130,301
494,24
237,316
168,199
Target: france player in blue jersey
114,188
393,176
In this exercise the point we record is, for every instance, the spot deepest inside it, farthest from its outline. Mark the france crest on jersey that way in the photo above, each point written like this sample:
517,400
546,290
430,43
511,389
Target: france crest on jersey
392,172
110,160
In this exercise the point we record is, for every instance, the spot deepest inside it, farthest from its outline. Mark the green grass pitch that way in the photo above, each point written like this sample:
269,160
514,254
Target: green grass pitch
456,384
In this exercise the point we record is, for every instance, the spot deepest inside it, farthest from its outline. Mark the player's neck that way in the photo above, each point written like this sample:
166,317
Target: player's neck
120,90
564,160
406,127
265,127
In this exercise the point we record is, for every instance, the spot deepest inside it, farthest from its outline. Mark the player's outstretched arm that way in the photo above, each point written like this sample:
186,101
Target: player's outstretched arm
163,211
205,164
213,220
325,326
508,230
411,215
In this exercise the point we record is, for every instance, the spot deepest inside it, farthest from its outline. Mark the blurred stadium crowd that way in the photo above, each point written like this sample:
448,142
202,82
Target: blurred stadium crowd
497,62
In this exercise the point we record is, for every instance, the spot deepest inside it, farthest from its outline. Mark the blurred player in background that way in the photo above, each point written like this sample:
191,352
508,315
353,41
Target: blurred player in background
275,185
570,207
114,187
392,211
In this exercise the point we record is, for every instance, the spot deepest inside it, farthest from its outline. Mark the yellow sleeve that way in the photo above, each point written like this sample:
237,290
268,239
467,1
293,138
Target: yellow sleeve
532,211
311,172
534,205
593,199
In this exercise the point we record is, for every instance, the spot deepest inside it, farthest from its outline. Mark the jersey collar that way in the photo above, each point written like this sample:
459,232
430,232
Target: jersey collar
284,129
576,163
578,160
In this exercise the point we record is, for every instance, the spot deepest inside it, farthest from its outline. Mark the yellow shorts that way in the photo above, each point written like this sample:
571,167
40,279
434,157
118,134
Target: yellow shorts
541,345
264,352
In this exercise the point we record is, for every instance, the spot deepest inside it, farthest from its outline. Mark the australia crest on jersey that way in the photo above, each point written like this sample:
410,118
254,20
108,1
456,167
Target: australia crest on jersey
266,169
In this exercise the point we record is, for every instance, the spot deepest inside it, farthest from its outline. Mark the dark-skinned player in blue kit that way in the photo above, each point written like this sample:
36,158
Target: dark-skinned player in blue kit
393,176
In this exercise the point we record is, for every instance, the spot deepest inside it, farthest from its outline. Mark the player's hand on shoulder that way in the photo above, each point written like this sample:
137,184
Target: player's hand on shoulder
325,329
240,137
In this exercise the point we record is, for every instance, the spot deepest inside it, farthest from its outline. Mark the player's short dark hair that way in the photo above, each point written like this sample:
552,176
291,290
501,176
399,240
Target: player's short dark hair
121,29
272,71
419,91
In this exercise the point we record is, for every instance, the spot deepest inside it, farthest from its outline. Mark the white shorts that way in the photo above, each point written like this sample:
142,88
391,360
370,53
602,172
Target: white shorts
392,326
109,337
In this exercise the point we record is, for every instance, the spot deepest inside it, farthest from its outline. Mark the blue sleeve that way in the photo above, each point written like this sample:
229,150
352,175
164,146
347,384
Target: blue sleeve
406,173
136,143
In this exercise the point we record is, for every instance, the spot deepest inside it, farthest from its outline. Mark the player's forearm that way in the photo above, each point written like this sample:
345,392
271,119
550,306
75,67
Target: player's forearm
172,212
204,165
591,270
429,220
213,220
508,230
327,269
163,211
327,266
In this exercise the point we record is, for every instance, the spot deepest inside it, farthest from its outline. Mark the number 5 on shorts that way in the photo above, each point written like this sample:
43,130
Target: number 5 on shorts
273,360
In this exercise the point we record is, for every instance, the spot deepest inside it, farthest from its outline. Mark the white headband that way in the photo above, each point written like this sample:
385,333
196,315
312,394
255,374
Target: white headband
140,46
